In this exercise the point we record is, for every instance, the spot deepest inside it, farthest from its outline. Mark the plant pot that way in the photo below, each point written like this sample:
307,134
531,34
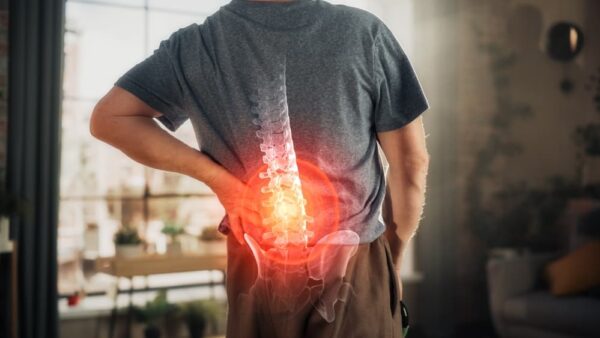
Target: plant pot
196,326
174,248
213,248
151,331
129,250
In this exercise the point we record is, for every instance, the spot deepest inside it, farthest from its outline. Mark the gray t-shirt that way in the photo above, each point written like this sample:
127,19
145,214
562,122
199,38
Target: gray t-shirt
347,78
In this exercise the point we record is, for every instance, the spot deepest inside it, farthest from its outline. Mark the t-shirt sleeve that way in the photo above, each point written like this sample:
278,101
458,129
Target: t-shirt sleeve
159,82
399,97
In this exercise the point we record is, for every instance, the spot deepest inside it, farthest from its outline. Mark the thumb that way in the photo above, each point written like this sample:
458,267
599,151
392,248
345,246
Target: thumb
238,231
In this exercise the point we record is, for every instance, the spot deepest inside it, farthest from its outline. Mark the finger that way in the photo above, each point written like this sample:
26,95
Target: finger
236,228
251,217
251,205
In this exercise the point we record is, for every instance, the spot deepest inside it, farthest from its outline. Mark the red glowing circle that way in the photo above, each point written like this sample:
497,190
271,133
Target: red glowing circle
321,203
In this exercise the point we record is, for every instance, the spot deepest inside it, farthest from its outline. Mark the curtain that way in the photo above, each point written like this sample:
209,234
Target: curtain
35,71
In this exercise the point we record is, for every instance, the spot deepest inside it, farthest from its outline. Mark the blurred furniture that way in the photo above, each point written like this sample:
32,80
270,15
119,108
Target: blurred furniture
153,265
522,307
159,264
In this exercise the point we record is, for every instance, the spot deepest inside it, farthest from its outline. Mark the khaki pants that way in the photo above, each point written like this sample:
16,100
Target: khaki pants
372,310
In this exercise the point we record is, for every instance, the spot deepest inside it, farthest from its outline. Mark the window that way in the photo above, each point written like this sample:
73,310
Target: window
102,189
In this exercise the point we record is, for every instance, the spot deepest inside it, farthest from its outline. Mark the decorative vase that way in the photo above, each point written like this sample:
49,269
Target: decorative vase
129,250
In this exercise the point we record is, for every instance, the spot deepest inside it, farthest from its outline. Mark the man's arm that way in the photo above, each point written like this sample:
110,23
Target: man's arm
406,153
127,123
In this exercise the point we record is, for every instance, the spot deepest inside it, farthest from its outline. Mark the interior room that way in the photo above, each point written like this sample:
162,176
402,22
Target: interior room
94,244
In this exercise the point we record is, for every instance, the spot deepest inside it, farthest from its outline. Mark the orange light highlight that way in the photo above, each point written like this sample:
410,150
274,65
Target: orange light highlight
321,203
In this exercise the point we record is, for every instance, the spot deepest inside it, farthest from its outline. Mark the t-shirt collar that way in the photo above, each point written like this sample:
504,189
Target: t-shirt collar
276,15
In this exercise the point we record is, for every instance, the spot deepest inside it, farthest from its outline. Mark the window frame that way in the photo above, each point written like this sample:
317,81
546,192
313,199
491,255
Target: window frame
147,195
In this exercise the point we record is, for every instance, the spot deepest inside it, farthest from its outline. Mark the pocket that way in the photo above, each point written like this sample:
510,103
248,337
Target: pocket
394,285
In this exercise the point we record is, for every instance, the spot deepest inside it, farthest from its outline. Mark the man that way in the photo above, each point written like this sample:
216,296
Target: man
349,87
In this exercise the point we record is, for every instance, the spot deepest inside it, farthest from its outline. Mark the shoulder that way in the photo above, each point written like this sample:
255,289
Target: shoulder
186,32
357,18
182,39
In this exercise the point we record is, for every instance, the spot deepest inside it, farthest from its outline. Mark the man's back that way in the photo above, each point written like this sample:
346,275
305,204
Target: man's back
346,78
322,85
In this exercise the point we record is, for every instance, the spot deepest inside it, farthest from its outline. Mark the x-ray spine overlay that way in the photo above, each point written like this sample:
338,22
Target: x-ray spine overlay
292,273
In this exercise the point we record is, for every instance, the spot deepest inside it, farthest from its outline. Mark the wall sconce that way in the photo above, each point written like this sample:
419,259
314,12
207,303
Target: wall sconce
564,42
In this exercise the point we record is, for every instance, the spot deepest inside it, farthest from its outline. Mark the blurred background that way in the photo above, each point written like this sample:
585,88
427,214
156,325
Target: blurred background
95,245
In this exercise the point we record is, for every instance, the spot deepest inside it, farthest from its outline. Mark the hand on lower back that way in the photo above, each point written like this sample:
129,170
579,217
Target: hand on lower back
230,191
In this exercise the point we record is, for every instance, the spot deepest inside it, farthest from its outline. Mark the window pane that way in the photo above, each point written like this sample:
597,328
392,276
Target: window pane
194,213
85,232
102,43
90,167
127,3
87,227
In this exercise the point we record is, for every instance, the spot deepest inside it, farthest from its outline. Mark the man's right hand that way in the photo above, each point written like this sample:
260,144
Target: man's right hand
230,191
127,123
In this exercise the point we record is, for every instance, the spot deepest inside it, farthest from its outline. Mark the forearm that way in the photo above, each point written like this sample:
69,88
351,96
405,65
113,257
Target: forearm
124,121
140,138
403,206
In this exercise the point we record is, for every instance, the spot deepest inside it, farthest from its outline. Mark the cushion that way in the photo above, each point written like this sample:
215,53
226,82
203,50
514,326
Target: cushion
576,272
574,316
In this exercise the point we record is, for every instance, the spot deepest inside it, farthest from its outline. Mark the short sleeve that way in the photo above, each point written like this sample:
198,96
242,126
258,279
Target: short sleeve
399,97
159,82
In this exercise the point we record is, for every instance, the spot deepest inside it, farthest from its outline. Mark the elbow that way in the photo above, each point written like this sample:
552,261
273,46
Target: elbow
418,169
416,162
97,126
95,129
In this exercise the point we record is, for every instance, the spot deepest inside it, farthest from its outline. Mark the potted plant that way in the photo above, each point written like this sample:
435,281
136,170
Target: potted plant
128,243
525,218
173,230
212,241
202,315
153,313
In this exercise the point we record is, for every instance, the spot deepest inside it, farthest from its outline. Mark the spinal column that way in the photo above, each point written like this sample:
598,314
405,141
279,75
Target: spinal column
287,219
284,259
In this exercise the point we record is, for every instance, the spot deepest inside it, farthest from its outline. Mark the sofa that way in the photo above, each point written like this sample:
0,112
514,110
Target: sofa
522,306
